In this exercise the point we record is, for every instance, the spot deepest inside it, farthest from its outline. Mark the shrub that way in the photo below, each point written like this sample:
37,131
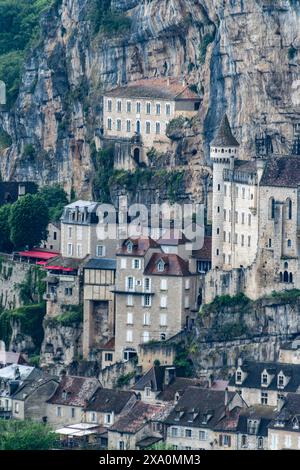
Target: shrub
72,316
125,379
5,139
206,40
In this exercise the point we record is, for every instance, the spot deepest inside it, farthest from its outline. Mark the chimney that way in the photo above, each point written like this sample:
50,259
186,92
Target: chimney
62,375
226,397
170,374
168,81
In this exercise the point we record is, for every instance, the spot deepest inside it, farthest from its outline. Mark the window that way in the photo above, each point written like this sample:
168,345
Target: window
136,264
58,412
119,106
148,108
17,408
73,412
264,398
243,218
123,263
270,243
109,106
147,301
162,336
289,243
187,284
146,336
163,284
186,302
249,240
168,109
100,250
225,440
174,432
138,127
271,208
224,214
235,238
79,250
158,109
129,302
69,232
147,391
68,291
274,442
93,417
147,284
280,380
243,193
108,357
128,125
260,443
238,377
128,106
138,107
160,266
163,301
288,441
243,240
264,379
130,283
157,128
289,209
224,236
163,319
129,336
249,220
121,445
188,433
244,441
119,125
129,318
70,249
148,127
54,235
147,319
109,124
202,435
107,418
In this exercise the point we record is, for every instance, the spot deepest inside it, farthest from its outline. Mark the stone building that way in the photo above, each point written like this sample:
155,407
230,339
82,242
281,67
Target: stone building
99,308
10,191
255,243
265,383
252,428
284,429
11,378
53,239
135,117
155,295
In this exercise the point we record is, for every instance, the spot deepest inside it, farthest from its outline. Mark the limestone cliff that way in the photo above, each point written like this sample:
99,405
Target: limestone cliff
241,55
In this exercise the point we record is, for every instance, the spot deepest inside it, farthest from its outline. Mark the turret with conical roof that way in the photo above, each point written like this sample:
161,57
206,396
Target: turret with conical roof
224,146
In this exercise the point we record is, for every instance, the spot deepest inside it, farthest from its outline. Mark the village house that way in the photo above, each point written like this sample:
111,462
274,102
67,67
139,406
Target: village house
155,295
70,399
265,383
161,384
99,308
140,428
11,378
136,115
29,401
199,420
252,427
53,239
284,429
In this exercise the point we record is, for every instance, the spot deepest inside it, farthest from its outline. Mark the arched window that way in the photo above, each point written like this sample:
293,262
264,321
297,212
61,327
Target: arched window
280,277
286,265
138,127
271,208
286,276
289,209
291,278
136,155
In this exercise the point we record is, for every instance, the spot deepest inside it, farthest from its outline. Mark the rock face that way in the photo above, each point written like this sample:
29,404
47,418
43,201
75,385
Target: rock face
251,330
241,55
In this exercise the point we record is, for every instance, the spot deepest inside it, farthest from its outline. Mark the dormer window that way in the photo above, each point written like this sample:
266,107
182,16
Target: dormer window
238,377
295,423
252,426
147,391
160,266
264,379
281,381
129,247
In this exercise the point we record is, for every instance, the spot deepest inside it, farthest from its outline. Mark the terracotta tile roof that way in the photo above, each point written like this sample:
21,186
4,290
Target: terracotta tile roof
173,237
140,246
74,391
174,265
284,171
138,416
224,136
110,345
106,400
163,88
204,254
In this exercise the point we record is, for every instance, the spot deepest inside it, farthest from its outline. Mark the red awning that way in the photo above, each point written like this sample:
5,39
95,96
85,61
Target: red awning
41,263
59,268
43,255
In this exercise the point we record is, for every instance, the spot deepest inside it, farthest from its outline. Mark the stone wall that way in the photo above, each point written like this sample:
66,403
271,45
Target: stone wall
12,274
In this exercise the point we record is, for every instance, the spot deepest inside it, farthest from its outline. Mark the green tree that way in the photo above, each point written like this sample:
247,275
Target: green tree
25,435
55,199
28,221
5,243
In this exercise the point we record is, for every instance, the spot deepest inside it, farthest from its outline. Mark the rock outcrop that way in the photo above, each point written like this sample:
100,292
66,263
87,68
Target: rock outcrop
241,55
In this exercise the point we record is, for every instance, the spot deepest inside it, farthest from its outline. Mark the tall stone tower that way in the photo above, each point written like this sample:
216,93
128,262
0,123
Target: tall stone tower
223,152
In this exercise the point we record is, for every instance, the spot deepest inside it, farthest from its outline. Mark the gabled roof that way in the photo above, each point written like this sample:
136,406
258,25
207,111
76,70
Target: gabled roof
35,380
140,246
74,391
106,400
282,172
173,237
255,369
153,378
155,88
174,265
204,254
288,413
11,371
261,413
224,136
10,357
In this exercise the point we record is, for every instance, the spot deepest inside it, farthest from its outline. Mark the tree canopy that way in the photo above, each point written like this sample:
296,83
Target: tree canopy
5,243
25,435
55,198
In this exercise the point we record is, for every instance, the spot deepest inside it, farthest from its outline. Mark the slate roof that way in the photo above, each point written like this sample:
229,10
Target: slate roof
36,379
9,372
263,414
174,265
224,136
247,166
155,88
289,412
195,404
154,378
106,400
179,385
104,264
138,416
75,391
280,172
140,246
255,369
